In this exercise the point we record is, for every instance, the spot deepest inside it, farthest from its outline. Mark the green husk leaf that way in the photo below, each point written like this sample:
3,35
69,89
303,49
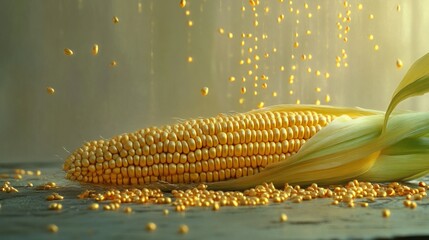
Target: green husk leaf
414,83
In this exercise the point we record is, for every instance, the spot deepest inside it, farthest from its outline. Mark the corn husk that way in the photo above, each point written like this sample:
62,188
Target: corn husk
362,144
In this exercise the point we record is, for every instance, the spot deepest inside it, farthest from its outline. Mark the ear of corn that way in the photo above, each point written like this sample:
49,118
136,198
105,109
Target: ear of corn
296,144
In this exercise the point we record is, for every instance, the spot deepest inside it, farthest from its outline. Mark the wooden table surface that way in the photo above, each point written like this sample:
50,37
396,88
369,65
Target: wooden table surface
25,215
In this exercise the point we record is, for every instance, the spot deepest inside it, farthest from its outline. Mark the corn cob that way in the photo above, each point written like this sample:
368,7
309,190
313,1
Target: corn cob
201,150
269,145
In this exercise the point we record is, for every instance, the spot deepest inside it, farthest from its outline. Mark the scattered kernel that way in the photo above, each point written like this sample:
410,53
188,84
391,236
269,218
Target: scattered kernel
190,59
113,63
385,213
94,206
221,31
128,210
283,217
115,20
183,229
165,212
150,227
376,47
53,228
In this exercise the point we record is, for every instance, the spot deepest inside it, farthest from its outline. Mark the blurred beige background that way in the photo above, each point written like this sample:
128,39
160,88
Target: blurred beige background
153,83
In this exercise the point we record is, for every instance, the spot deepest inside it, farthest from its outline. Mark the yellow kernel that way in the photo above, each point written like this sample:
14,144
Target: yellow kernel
165,212
128,210
243,90
190,23
241,100
398,8
232,79
283,217
376,47
385,213
327,75
113,63
53,228
364,204
413,205
221,31
230,35
95,49
371,16
371,37
274,94
50,90
204,91
318,89
360,6
282,68
264,85
94,206
29,184
216,206
399,63
183,229
190,59
115,20
309,15
335,202
327,98
182,3
407,203
68,51
296,44
308,32
150,227
187,12
261,104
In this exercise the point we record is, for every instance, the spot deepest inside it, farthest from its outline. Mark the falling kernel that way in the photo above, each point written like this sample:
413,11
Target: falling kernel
165,212
264,85
317,102
309,69
291,92
232,79
318,89
115,20
371,16
241,100
221,31
50,90
261,104
95,49
296,44
53,228
230,35
282,68
308,32
399,63
283,217
204,91
190,23
187,12
376,47
398,8
274,94
298,101
182,3
327,98
113,63
309,15
190,59
317,73
364,204
371,37
68,52
150,227
243,90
